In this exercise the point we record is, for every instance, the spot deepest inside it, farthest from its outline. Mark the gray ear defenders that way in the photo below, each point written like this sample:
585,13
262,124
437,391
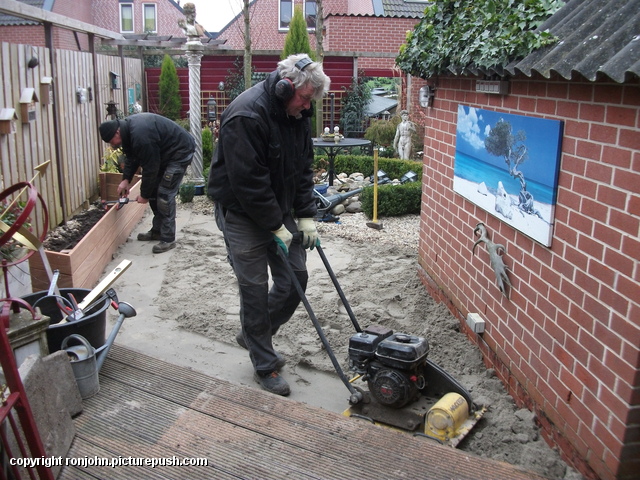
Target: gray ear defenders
284,87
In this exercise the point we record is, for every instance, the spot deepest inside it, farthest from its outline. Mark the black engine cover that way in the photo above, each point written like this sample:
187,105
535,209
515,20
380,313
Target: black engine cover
392,388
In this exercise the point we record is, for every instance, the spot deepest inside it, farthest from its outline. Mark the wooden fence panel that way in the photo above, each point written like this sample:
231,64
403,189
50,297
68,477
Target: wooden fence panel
64,131
32,141
79,151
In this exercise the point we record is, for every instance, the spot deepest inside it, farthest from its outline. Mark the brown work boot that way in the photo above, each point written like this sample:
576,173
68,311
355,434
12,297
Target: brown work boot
273,382
163,247
148,236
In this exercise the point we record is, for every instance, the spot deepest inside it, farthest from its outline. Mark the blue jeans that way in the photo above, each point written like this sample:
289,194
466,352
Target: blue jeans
163,205
253,255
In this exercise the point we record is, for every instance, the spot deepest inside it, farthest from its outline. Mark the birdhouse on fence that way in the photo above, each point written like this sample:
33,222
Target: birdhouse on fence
28,101
46,90
8,119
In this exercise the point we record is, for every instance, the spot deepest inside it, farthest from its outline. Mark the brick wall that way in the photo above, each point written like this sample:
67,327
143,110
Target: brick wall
102,13
106,14
567,344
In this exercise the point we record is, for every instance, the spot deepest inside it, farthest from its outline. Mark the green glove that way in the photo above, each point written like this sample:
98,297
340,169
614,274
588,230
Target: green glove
283,238
310,237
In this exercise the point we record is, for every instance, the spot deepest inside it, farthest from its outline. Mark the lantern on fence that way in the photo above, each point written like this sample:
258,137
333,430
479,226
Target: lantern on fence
112,109
211,110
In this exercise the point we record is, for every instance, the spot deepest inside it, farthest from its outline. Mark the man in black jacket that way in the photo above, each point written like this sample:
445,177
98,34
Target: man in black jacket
164,150
261,180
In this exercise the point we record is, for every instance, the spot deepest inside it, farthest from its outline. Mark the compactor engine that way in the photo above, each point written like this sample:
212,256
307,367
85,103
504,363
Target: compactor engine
392,363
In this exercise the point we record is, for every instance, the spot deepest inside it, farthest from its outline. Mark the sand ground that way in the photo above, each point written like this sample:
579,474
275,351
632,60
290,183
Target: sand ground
188,313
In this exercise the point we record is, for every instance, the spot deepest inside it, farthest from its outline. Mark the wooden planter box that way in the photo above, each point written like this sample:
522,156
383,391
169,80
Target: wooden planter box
108,183
82,266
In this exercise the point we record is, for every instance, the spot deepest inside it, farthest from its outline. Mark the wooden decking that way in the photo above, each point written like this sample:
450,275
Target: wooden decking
148,408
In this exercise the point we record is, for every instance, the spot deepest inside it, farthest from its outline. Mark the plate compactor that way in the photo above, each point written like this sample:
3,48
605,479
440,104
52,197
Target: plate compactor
405,390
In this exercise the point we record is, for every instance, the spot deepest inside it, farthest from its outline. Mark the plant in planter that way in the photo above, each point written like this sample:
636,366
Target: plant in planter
113,160
110,174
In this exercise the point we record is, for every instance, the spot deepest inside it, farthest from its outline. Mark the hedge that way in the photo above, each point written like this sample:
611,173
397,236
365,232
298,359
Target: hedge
393,200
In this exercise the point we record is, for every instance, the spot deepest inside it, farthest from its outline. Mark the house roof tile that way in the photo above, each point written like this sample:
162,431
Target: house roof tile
596,38
404,8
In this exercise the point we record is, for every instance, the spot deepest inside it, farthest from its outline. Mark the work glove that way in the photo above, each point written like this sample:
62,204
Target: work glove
310,237
283,238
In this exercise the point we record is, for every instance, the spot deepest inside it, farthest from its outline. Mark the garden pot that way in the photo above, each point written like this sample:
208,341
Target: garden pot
92,326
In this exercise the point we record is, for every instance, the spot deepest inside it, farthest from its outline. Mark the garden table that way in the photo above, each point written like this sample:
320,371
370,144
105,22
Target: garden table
331,149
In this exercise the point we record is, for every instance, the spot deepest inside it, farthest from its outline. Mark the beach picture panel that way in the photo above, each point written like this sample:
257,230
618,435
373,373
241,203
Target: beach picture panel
508,165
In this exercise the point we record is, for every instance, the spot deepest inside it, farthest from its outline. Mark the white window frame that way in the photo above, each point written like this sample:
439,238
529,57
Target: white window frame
155,17
280,27
304,3
133,17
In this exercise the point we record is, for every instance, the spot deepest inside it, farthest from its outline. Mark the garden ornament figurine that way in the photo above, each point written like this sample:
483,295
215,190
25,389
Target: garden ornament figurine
192,30
495,258
402,140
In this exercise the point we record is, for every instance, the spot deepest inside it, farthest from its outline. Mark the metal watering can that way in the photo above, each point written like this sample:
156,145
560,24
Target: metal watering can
86,361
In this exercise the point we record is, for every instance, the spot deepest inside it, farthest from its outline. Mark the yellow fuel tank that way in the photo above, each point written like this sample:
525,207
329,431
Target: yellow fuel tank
446,417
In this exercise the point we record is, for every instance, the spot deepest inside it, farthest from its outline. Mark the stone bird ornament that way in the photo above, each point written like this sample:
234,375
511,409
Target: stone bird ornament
495,258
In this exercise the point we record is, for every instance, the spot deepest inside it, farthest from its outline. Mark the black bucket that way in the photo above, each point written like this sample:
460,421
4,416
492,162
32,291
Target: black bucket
92,326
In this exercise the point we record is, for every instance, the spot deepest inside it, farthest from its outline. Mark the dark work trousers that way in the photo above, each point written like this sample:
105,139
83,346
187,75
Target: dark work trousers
254,254
164,205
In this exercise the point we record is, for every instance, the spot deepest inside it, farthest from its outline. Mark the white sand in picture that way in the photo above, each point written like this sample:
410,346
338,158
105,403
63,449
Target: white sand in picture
531,225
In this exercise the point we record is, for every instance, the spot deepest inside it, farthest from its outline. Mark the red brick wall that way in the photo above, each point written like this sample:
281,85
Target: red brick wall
567,344
106,14
344,33
102,13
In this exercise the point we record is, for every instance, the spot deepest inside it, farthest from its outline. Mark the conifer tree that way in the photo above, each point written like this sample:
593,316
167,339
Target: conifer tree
297,40
170,103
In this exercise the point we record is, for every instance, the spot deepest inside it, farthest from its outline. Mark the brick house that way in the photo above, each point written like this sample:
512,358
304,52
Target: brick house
360,37
349,26
159,17
567,342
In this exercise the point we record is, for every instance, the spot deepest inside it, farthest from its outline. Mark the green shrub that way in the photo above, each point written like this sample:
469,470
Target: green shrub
170,102
382,132
393,200
207,147
187,191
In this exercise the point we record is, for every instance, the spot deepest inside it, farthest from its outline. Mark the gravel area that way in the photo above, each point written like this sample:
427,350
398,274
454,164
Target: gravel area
400,231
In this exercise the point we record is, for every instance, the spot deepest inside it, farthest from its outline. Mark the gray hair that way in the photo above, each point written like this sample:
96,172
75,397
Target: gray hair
312,74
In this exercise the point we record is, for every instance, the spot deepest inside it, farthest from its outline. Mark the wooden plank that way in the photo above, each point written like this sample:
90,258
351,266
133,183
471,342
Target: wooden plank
285,422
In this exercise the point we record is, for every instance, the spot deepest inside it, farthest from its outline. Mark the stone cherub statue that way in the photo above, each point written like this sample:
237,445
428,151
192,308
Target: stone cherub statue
402,141
191,29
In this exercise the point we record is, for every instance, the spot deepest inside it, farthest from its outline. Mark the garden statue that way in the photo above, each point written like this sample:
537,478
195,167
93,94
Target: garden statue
191,29
402,140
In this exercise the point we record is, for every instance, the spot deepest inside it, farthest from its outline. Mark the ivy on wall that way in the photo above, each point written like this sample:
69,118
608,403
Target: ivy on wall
459,35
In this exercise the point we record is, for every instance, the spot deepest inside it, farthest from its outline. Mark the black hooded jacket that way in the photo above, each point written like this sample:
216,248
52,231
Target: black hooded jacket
152,142
262,167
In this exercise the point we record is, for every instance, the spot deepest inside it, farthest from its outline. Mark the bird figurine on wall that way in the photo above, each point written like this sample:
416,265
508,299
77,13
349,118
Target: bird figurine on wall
495,251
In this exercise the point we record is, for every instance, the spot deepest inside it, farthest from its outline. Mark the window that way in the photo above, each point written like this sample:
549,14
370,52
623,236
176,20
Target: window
286,13
310,14
149,12
126,17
